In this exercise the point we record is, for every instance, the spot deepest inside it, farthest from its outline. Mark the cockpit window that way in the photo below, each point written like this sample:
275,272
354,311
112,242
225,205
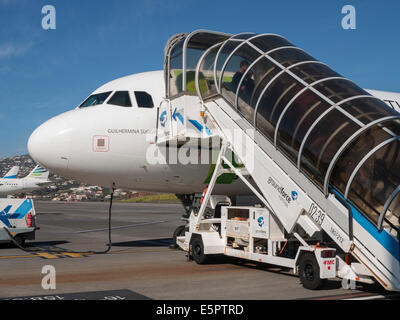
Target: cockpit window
144,100
121,98
95,99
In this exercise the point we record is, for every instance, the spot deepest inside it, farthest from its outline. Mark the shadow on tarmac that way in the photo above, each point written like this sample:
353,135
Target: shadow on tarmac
163,242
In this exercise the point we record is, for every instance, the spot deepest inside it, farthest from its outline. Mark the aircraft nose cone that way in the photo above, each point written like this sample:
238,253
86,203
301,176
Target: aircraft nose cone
49,144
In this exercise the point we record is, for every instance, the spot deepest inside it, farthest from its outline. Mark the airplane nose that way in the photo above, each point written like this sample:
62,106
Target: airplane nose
49,144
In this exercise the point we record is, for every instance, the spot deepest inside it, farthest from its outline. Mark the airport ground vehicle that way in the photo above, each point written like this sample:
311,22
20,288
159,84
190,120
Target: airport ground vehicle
255,234
320,153
18,217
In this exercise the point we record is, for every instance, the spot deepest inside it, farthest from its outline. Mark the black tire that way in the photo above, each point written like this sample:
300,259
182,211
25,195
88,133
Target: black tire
180,231
309,272
198,251
20,240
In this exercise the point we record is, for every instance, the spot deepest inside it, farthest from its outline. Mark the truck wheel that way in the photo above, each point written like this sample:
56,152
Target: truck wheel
198,251
20,240
309,272
180,231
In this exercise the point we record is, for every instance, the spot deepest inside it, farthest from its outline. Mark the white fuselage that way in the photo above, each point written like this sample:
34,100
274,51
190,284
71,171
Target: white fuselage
14,186
392,99
67,144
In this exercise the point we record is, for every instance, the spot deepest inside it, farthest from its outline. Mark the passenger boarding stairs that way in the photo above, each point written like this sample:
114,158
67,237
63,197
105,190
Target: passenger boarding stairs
282,188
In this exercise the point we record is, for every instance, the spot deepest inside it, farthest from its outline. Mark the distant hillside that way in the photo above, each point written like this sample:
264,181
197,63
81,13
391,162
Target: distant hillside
25,162
70,190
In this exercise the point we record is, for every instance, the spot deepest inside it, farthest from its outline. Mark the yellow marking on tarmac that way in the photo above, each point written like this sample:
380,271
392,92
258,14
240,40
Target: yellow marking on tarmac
47,255
16,257
59,255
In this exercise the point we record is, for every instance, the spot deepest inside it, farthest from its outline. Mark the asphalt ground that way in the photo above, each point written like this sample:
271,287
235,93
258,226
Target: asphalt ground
140,264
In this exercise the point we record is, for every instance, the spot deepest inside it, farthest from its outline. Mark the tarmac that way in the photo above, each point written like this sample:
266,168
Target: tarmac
140,264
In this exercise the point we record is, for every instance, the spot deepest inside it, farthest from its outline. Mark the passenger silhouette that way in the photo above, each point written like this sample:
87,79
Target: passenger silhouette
247,85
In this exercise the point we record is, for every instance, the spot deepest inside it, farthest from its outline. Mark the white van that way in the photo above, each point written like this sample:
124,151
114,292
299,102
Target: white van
17,216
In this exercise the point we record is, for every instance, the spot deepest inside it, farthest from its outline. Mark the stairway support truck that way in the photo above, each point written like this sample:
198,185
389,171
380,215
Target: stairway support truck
255,234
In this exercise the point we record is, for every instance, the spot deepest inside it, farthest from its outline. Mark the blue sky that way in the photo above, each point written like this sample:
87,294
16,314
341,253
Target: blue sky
46,72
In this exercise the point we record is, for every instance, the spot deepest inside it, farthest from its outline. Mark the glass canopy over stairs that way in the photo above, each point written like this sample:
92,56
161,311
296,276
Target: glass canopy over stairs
343,139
